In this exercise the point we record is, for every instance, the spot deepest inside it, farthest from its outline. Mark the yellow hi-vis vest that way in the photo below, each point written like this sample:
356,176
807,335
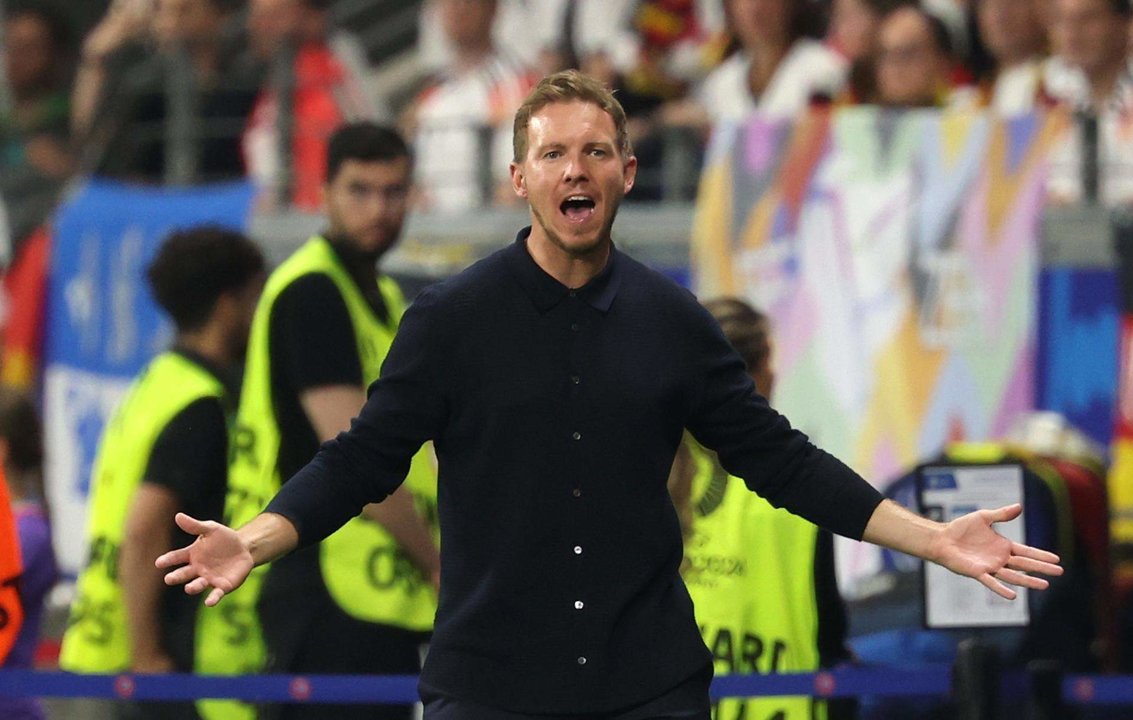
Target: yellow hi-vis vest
749,568
97,639
366,573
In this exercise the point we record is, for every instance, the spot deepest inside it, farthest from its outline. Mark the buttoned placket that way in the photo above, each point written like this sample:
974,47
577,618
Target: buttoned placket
574,384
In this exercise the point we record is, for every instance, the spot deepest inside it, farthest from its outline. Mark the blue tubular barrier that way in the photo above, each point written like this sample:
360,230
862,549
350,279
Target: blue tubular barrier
402,689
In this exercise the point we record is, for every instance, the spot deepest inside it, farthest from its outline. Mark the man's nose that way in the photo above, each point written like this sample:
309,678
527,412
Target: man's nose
575,169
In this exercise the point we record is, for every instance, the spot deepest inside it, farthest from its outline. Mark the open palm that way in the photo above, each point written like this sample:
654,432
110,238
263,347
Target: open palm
970,546
218,559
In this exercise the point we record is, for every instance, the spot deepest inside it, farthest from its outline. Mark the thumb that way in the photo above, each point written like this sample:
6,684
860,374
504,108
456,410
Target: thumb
190,524
1005,513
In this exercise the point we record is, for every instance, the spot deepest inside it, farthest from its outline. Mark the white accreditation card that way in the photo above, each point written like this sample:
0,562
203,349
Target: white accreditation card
947,492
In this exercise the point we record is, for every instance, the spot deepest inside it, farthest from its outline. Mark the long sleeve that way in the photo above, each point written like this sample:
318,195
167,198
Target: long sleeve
758,444
405,408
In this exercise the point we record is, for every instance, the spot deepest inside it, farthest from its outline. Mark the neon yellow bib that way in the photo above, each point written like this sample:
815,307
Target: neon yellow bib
97,640
750,571
365,571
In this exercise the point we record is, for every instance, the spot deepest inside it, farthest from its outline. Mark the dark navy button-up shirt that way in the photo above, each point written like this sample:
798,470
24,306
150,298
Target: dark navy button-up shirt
556,414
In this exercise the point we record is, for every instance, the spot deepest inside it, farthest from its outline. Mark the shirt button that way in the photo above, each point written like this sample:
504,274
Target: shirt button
575,379
578,605
581,660
573,293
574,327
576,492
576,435
577,549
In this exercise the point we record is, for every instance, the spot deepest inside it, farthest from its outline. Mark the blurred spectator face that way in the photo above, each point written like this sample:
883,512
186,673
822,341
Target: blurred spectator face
270,22
1090,34
853,28
29,51
1012,30
191,22
468,23
367,202
911,66
759,23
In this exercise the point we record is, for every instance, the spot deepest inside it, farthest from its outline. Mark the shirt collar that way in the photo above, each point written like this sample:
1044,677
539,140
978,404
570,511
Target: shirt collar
547,292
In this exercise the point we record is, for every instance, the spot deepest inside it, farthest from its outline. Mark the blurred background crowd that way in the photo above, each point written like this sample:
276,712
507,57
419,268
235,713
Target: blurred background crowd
182,91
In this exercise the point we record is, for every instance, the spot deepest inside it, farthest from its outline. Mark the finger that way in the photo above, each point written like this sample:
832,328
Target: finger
214,597
1033,552
1005,513
1018,562
173,557
181,575
196,587
996,587
190,524
1022,580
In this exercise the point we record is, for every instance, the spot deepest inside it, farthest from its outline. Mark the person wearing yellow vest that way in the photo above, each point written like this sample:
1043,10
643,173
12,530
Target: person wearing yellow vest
363,600
761,579
164,450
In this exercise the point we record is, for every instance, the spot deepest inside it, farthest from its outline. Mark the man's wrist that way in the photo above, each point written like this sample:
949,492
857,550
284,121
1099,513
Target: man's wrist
268,536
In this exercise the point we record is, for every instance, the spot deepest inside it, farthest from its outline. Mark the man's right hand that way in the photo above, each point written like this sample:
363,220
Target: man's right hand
217,559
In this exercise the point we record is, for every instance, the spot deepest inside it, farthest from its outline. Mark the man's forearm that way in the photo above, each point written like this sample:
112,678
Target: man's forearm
141,590
147,535
894,527
268,537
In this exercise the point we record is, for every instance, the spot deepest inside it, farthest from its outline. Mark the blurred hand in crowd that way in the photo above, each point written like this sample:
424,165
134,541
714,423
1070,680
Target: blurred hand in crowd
126,20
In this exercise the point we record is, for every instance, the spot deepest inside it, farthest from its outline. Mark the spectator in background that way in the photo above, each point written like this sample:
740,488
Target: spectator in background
1091,39
21,457
165,450
914,59
757,574
853,33
573,30
1014,37
461,124
779,68
362,601
525,27
329,86
148,66
38,50
1091,73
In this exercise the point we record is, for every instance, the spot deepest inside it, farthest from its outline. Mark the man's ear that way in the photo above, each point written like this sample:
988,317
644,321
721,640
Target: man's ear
518,180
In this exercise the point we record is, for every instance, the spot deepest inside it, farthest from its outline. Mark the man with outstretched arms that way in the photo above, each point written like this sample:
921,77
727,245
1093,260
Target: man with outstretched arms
164,450
363,599
555,378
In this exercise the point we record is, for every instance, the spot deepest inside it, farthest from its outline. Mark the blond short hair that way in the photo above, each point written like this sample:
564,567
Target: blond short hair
567,86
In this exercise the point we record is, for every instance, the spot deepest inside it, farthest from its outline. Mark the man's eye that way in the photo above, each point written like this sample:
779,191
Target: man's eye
551,154
598,152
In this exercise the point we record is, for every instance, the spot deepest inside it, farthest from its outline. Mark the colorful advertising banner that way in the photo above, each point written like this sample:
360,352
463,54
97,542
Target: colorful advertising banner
897,255
102,324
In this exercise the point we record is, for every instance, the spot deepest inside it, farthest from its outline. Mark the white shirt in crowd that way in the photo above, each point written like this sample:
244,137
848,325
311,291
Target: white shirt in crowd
463,140
512,29
1068,85
1018,88
809,69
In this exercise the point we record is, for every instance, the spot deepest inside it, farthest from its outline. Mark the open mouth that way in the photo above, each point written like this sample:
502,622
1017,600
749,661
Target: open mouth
577,208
